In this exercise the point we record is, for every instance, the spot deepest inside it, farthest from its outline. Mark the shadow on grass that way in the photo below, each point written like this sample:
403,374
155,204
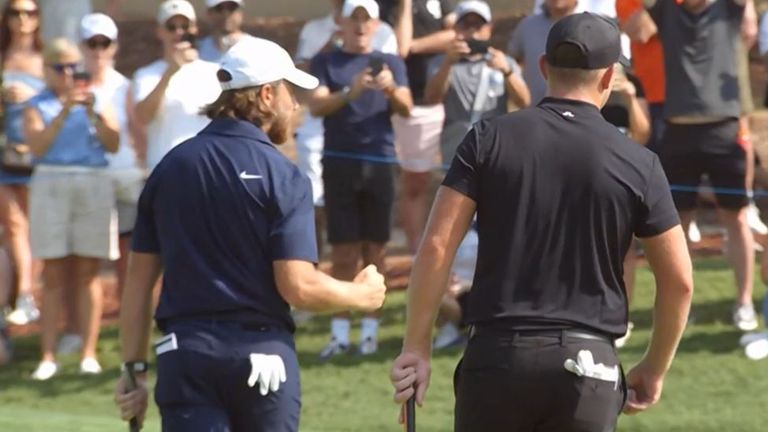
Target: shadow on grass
16,376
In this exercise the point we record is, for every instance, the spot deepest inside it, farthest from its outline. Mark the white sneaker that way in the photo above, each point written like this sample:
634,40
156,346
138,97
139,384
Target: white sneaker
368,346
753,220
745,317
447,336
334,348
26,312
90,366
620,342
69,343
45,371
694,235
748,338
757,350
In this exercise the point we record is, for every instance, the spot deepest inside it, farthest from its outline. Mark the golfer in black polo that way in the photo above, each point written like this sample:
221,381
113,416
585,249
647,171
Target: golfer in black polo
558,192
229,221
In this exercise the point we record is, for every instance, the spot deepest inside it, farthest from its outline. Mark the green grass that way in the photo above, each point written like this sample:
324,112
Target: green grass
712,386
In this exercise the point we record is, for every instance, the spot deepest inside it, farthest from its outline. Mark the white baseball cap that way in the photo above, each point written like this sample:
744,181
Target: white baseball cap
370,6
171,8
97,24
252,62
473,6
213,3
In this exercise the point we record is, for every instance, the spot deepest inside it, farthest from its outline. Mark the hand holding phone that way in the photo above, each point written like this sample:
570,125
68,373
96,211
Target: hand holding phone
478,46
376,64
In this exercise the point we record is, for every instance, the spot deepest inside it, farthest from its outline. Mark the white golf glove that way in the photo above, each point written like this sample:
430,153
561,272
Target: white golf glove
268,371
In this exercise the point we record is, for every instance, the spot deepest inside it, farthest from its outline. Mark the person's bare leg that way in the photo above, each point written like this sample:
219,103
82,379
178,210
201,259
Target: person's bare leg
54,277
741,252
414,206
121,265
89,297
345,262
14,220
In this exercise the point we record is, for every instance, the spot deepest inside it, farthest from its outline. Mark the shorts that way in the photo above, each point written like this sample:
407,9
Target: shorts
128,184
358,200
71,212
516,381
691,151
202,384
417,138
309,159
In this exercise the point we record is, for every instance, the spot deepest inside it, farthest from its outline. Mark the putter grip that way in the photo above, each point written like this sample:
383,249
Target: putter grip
133,424
410,415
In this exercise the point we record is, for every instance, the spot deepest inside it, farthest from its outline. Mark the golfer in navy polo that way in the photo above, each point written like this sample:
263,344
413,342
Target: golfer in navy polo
229,222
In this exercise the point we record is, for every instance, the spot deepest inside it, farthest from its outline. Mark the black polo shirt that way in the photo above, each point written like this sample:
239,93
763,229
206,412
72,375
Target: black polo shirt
559,194
219,209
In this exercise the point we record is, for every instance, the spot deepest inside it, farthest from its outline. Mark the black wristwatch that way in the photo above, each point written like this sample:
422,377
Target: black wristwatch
135,366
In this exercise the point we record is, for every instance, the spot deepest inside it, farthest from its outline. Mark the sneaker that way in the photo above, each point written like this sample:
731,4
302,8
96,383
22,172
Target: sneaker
754,222
620,342
745,317
45,371
90,366
334,348
748,338
69,344
448,335
694,235
757,350
368,346
26,312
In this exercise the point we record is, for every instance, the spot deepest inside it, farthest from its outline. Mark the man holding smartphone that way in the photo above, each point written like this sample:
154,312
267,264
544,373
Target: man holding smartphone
169,92
360,89
473,80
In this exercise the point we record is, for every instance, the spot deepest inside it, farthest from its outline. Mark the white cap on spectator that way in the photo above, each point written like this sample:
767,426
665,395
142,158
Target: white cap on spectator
97,24
473,6
370,6
214,3
252,62
171,8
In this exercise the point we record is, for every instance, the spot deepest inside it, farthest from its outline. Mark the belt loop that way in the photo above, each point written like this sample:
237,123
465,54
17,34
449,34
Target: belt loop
563,338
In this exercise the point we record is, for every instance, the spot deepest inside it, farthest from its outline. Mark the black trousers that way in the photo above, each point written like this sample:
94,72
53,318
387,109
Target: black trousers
517,382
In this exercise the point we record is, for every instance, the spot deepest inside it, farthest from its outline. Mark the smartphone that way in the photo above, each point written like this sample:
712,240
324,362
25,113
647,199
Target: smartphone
82,79
376,64
478,46
189,37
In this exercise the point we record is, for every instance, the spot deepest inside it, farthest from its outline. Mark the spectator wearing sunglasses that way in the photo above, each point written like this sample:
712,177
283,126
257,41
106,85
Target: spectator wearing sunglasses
225,17
170,92
98,39
22,77
71,227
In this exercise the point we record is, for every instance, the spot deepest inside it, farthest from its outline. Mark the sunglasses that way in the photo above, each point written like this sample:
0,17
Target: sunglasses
229,6
173,27
98,43
61,68
29,13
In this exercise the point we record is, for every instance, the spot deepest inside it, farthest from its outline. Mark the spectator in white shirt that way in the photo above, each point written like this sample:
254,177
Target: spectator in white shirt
98,42
225,18
170,92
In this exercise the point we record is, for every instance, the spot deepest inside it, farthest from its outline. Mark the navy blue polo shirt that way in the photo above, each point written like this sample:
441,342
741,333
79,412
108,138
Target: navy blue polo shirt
363,126
219,209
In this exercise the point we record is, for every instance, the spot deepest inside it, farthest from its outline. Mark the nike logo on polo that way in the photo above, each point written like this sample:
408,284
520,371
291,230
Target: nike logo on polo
245,176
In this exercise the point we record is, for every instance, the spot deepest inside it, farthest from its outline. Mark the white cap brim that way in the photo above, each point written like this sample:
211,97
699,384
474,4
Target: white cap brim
302,79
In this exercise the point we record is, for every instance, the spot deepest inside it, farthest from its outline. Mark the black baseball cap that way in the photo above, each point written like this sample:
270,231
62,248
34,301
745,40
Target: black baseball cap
595,42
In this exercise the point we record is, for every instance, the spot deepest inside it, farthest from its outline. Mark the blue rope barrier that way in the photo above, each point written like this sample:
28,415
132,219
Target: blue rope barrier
675,188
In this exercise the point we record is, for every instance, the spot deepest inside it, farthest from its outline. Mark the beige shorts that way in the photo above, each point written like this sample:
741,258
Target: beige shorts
72,212
417,138
128,184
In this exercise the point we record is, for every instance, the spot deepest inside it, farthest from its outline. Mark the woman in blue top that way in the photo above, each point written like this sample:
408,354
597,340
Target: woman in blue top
72,222
21,62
